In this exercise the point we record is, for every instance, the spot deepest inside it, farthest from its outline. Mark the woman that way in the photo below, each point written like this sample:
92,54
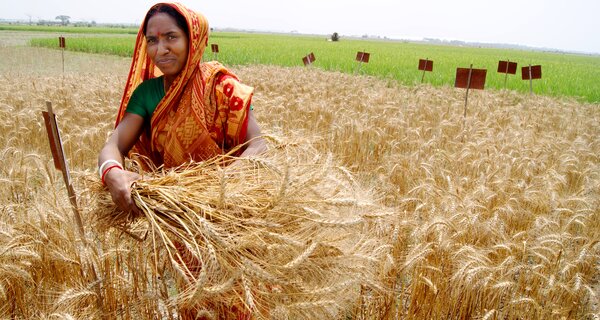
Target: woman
193,111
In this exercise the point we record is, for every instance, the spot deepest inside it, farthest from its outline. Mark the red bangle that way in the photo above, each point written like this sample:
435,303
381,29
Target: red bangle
107,170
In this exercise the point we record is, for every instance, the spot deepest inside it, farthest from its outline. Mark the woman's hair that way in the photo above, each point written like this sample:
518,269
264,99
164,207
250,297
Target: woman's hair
164,8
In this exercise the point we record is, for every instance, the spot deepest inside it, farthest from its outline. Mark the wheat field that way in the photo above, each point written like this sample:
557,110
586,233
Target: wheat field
495,215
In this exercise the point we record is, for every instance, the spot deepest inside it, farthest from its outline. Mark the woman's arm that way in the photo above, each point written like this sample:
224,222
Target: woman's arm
255,146
118,145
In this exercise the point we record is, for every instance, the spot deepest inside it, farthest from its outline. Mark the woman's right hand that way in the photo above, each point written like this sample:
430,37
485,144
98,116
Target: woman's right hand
119,143
119,185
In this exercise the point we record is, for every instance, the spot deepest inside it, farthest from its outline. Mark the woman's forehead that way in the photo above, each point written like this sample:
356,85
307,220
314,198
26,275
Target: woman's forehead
162,23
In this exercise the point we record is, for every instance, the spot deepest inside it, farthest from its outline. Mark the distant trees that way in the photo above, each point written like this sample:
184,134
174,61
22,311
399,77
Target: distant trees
335,37
64,20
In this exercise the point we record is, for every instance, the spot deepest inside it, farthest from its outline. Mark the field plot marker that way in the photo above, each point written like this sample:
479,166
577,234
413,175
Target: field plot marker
507,67
60,162
469,78
215,50
530,73
308,59
360,58
425,65
62,44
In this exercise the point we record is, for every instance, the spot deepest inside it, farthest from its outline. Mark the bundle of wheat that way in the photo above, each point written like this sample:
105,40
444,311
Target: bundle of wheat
288,234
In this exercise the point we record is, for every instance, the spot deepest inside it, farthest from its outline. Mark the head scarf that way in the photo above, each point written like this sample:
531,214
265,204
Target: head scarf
205,111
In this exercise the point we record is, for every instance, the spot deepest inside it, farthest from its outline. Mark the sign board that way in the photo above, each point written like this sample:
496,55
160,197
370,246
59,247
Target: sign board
363,57
470,78
507,67
534,71
425,65
62,42
214,48
308,59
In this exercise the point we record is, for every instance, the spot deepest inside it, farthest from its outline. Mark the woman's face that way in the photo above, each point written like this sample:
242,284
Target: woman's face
167,44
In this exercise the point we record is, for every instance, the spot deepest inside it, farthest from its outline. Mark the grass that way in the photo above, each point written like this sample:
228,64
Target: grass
67,30
564,75
119,46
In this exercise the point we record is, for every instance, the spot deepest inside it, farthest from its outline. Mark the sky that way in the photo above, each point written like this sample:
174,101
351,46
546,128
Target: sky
552,24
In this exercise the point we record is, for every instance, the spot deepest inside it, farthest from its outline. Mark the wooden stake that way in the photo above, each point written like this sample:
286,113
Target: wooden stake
59,155
60,162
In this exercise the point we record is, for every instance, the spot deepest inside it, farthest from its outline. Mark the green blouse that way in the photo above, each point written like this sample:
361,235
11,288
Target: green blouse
146,97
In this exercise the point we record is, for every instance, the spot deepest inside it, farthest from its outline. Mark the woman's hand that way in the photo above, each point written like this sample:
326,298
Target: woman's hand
119,185
120,142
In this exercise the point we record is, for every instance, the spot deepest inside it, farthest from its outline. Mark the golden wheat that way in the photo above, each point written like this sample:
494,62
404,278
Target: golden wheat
496,216
283,234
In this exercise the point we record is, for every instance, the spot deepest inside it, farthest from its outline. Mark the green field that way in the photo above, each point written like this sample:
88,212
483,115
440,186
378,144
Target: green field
95,30
564,74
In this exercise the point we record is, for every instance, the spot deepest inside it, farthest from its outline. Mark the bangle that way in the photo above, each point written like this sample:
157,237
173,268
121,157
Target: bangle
107,170
101,168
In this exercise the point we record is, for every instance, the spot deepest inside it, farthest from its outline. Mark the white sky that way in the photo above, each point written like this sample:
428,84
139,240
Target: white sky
558,24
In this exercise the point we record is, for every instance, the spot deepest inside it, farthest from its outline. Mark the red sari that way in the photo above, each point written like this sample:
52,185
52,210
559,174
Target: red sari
205,111
203,114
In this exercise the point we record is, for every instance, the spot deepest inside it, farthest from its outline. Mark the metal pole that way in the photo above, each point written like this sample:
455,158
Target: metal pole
63,61
506,73
468,86
360,62
362,57
424,68
530,81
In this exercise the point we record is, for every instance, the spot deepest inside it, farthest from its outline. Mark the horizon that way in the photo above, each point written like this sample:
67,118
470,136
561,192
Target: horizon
543,25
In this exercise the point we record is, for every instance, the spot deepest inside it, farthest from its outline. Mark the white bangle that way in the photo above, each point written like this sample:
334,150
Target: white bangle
101,169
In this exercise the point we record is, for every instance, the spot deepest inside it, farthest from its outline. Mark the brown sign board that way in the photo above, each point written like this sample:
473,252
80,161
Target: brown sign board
536,72
507,67
308,59
477,80
363,57
425,65
62,42
305,60
214,48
